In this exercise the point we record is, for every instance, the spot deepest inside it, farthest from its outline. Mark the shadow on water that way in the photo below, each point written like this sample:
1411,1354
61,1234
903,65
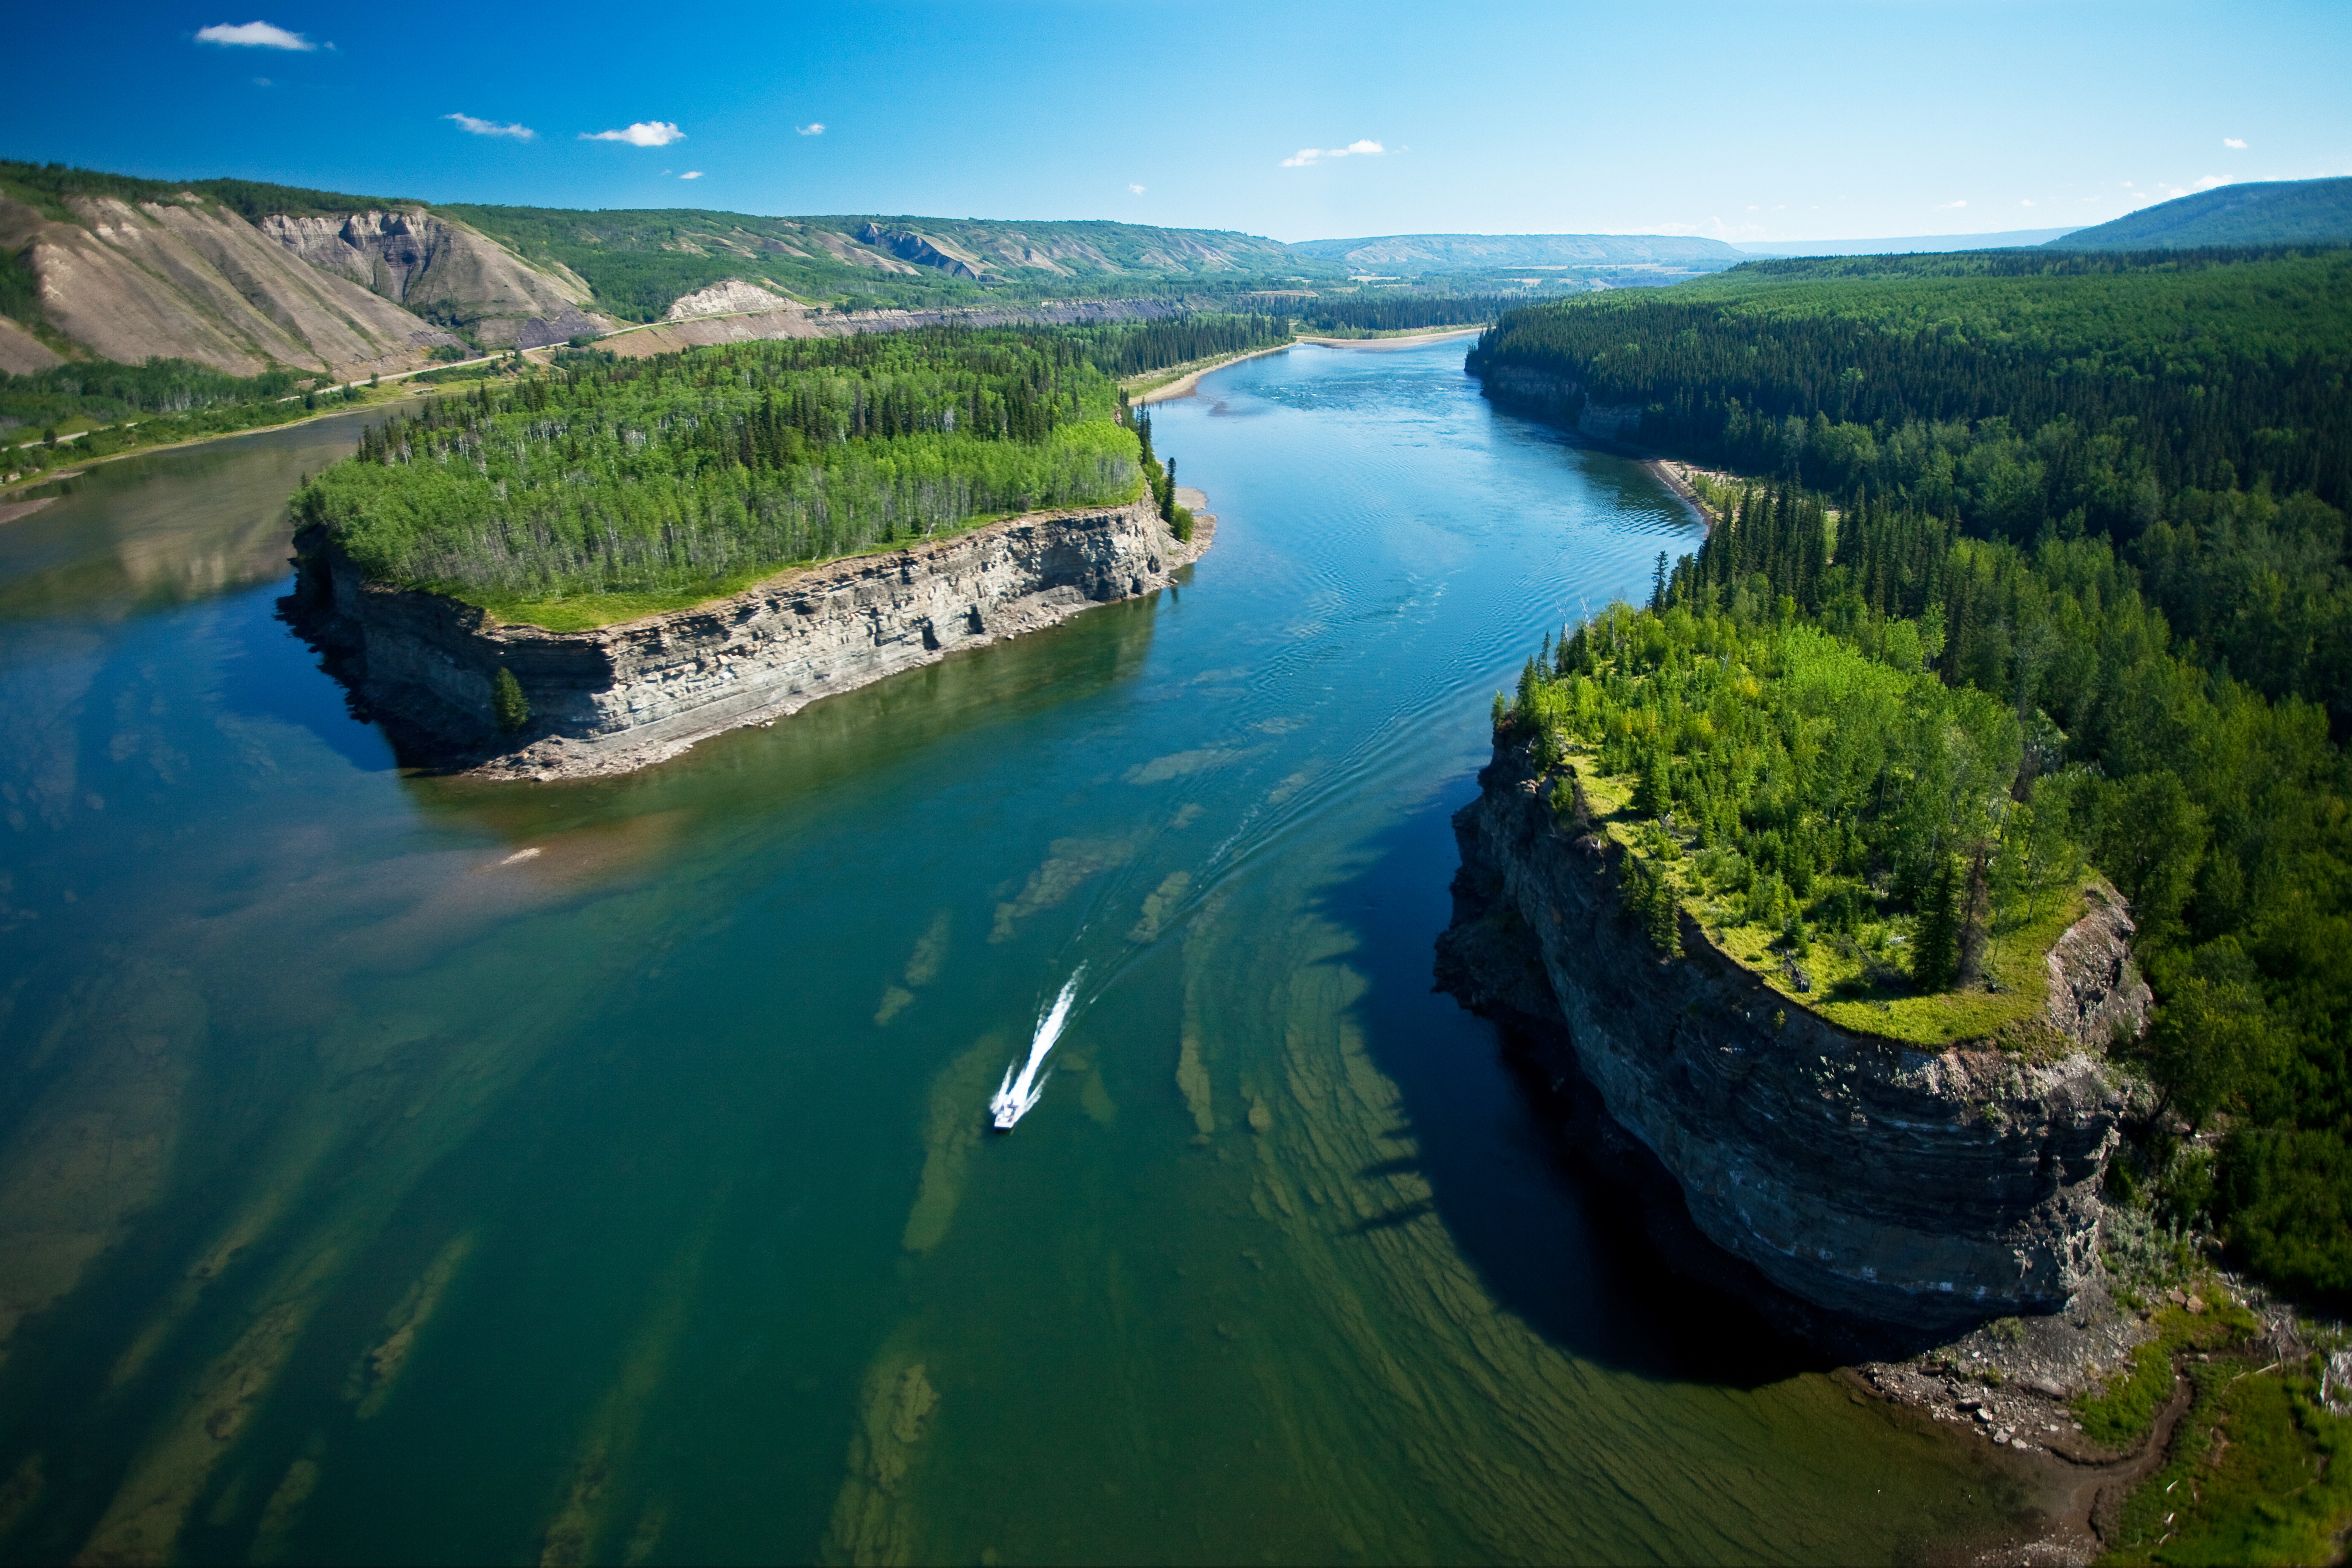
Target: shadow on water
958,703
144,533
1559,1233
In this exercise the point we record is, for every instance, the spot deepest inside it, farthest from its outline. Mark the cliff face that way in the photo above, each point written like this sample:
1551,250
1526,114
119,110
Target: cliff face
1929,1190
623,697
191,280
431,264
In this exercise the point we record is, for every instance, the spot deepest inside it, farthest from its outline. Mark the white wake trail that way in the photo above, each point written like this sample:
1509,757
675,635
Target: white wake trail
1016,1097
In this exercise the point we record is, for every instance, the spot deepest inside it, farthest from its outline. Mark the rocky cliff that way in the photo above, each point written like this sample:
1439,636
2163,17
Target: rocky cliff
443,269
623,696
1929,1190
189,279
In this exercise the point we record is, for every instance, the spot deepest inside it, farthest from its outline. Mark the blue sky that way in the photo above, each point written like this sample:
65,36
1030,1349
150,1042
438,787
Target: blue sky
1840,118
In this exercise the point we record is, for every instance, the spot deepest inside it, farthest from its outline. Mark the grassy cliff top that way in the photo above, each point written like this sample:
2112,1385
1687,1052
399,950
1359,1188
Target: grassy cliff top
1857,977
1835,817
607,488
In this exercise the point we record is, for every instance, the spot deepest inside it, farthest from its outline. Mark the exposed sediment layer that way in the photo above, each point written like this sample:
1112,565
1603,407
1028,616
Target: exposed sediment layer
1929,1190
623,696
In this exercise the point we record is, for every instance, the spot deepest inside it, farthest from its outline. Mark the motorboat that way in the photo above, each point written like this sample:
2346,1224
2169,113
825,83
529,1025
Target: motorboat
1017,1096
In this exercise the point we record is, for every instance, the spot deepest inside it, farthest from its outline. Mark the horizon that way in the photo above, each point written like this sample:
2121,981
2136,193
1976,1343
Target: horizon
882,108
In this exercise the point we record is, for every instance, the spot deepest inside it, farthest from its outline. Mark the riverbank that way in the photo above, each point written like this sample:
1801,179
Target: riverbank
1188,379
84,462
1940,1231
1401,341
616,699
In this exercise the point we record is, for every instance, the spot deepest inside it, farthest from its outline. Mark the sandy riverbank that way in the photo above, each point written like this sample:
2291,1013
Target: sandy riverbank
1190,382
1183,385
1409,340
1671,476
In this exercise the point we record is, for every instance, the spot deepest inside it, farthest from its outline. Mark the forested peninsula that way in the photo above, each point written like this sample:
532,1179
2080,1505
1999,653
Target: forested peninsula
759,525
2026,581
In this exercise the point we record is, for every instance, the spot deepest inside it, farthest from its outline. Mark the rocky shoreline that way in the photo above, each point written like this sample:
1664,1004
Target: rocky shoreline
1923,1190
1807,1172
625,697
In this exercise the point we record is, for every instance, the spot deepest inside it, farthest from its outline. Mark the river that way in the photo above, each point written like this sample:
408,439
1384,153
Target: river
405,1169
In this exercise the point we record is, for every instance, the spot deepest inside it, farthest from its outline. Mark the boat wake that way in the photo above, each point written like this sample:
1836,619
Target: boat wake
1016,1097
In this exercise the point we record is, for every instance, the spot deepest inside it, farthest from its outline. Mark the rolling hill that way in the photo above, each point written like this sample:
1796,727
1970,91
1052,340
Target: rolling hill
2268,211
1909,245
246,278
639,263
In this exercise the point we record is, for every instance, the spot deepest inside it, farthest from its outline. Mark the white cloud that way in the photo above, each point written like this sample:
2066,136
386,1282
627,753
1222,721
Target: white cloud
691,174
2209,181
1137,189
644,133
491,127
1947,206
254,35
1308,157
2028,201
814,128
2233,142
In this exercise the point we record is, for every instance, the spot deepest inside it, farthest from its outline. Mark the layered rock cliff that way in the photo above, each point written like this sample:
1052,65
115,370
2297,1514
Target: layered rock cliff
190,278
1930,1190
444,270
623,696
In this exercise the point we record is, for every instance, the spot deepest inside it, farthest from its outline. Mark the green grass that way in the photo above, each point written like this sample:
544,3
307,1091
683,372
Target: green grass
2255,1475
2120,1412
1859,992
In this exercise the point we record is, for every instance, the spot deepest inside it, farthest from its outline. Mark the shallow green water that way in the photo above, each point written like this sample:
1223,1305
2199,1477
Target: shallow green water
398,1169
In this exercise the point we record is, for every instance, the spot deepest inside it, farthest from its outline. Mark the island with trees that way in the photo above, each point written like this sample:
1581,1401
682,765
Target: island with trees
587,569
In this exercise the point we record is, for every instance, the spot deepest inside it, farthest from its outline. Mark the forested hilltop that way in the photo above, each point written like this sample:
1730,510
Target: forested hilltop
2038,573
612,488
2099,499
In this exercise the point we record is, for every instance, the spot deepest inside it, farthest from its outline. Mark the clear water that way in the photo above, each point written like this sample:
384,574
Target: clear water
400,1169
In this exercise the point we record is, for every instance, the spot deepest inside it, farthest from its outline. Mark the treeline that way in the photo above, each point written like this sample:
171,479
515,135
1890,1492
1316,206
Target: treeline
1161,479
103,389
49,185
167,400
2225,818
1137,348
685,472
2151,583
1403,313
2016,391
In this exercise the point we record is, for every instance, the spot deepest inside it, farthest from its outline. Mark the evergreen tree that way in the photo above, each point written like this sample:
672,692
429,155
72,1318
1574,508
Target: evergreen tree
513,709
1654,791
1936,954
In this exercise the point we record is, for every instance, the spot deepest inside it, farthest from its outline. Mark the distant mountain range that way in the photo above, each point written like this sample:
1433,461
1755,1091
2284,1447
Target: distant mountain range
1417,254
2270,211
2263,212
243,276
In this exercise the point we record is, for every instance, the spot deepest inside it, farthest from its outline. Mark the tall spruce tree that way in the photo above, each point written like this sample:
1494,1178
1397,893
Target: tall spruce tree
1935,952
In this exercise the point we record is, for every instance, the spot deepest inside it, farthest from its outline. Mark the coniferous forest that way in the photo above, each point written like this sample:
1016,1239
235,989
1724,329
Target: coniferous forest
2100,500
687,475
